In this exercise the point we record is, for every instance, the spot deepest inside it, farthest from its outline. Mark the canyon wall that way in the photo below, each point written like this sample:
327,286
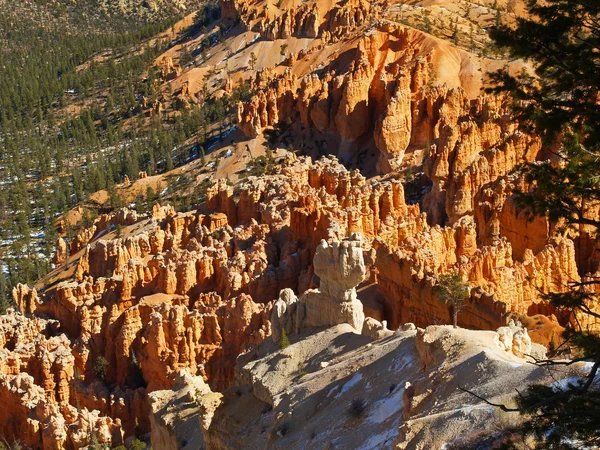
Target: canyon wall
122,317
191,291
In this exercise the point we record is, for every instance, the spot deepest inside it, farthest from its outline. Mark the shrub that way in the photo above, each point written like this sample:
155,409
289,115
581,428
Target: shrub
453,292
138,445
357,407
99,368
283,429
285,342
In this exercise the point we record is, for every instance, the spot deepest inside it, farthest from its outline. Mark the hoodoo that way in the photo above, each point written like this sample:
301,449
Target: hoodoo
267,225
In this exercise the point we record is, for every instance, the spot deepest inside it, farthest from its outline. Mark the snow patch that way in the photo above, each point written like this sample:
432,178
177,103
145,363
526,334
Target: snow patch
563,385
380,441
331,391
402,361
385,408
356,378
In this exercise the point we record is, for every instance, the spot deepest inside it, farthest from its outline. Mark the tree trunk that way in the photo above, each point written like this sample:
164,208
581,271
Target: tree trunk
454,317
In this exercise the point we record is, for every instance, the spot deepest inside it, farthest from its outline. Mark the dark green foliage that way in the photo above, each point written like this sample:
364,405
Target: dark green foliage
563,420
455,34
357,407
46,165
565,191
451,290
99,367
50,162
253,60
259,166
138,445
119,230
562,41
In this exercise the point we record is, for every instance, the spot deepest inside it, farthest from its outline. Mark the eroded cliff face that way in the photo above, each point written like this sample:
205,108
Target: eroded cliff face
380,93
186,293
501,286
328,21
38,388
191,291
389,94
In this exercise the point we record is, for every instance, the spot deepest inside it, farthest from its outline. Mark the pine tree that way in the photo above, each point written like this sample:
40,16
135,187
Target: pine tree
451,290
561,39
455,35
202,156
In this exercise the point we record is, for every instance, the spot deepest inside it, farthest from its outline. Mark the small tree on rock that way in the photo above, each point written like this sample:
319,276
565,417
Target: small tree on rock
99,368
253,60
202,156
453,292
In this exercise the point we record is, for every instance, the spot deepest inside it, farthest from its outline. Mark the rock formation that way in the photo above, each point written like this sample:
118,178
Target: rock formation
164,327
386,90
175,413
286,315
326,21
168,69
502,286
408,383
37,372
61,253
514,338
340,267
191,291
25,298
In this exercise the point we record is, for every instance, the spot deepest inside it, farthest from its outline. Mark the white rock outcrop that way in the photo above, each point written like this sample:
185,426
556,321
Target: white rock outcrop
341,267
176,413
287,314
514,338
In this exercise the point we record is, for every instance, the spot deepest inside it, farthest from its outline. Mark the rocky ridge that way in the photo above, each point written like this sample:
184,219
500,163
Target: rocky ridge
307,20
405,386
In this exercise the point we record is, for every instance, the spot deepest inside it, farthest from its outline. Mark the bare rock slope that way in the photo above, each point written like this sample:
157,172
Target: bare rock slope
338,389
